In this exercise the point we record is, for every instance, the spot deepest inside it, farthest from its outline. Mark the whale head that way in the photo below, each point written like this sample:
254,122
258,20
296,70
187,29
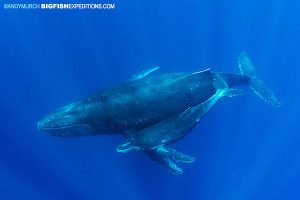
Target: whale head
68,121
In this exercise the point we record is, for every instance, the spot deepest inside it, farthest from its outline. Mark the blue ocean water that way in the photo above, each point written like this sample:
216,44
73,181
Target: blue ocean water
244,148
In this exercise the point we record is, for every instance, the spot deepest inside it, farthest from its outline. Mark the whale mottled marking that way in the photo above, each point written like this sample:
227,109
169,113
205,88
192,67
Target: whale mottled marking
152,112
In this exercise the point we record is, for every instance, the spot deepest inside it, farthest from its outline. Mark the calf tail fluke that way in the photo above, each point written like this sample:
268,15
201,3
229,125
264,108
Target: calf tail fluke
258,87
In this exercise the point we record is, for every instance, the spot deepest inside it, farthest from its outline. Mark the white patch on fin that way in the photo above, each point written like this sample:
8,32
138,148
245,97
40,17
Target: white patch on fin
127,147
144,73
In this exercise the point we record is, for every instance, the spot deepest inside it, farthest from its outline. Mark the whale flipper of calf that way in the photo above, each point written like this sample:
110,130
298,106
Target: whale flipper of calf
152,112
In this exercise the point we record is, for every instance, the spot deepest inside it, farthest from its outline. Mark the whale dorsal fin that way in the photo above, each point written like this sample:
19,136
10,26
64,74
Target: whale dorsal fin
144,73
202,71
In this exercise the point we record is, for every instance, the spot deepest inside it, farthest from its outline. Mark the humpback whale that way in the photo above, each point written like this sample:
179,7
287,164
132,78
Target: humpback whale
153,112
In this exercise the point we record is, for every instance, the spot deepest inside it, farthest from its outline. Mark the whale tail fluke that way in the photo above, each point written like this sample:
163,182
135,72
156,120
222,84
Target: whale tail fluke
256,85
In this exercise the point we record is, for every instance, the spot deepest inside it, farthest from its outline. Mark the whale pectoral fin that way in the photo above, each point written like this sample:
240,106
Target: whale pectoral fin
167,158
165,162
144,73
170,165
127,147
179,157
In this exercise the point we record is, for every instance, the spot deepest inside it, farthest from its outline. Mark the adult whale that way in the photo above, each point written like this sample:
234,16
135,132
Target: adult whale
154,111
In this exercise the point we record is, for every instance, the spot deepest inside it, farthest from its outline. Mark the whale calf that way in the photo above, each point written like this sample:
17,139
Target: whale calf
152,112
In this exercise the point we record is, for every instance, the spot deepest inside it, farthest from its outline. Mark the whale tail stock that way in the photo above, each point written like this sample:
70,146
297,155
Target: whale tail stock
256,85
222,89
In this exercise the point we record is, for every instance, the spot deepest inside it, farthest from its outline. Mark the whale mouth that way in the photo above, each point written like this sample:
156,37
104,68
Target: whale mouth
73,130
